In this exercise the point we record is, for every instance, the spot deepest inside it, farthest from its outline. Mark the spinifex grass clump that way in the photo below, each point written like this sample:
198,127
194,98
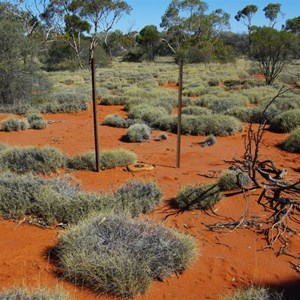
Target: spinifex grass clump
137,133
203,196
109,159
36,120
31,159
118,256
33,294
63,201
286,121
254,293
292,143
53,200
138,196
233,180
13,124
115,120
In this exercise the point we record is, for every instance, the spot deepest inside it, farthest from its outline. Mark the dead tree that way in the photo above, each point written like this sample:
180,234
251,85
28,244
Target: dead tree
278,196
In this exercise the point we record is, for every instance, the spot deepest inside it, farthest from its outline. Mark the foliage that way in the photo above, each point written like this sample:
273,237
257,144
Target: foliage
18,70
118,256
108,159
149,114
13,124
285,121
188,25
254,293
292,143
115,120
49,200
138,196
138,133
36,120
117,157
273,50
62,200
233,180
149,38
33,294
202,196
31,159
293,25
271,12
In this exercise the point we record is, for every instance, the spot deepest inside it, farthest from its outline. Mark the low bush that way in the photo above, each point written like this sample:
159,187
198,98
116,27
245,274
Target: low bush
292,143
196,110
52,200
202,196
31,159
166,123
114,100
254,293
147,113
117,256
138,133
85,161
222,125
117,157
241,113
108,159
33,294
63,201
13,124
285,121
115,120
233,180
138,196
36,120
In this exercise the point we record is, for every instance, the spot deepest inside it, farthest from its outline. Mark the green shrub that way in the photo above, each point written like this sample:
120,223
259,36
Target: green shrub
52,200
196,110
233,180
292,143
33,294
108,159
254,293
13,124
63,201
115,120
118,256
117,157
166,123
31,159
202,196
138,196
147,113
286,121
138,133
38,124
85,161
3,146
114,100
222,125
241,113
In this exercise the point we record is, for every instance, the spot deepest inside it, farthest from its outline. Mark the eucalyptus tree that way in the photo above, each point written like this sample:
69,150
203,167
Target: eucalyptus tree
271,12
188,24
245,15
273,50
293,25
149,38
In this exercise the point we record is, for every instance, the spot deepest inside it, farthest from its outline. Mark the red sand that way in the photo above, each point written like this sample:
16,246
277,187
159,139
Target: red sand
227,260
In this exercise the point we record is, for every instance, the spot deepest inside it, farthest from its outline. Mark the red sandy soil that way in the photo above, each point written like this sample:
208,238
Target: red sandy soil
227,260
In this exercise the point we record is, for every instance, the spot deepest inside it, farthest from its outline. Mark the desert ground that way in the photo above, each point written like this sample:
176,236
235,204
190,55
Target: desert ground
227,259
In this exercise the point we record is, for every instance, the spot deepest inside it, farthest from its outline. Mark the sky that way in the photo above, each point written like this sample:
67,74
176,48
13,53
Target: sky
149,12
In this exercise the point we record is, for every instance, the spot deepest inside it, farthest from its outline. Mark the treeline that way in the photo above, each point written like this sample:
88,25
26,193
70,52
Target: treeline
64,34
